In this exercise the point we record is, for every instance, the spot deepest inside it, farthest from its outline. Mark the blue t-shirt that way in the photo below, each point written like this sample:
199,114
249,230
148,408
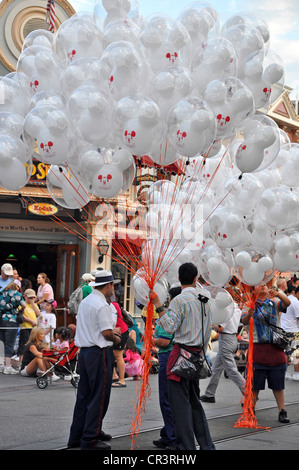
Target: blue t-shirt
4,283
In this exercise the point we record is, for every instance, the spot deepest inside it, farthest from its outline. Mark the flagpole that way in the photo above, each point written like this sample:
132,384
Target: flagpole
47,14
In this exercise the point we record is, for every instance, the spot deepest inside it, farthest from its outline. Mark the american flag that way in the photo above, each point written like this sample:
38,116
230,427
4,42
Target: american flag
51,14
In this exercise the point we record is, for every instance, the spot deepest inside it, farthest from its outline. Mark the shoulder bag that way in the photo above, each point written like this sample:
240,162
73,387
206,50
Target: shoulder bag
280,338
127,318
192,364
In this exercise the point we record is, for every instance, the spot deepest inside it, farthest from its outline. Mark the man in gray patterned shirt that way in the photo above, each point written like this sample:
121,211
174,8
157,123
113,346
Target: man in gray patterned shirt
184,320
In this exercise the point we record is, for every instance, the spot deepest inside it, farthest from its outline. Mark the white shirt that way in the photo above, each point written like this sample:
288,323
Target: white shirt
47,320
290,319
231,325
94,316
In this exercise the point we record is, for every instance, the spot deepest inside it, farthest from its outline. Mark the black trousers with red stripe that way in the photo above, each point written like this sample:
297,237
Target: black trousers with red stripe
93,395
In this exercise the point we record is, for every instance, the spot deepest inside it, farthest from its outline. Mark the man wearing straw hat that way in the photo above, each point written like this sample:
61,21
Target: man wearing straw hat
95,334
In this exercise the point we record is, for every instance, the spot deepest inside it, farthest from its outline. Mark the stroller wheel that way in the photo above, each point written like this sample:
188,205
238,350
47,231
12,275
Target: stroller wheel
42,382
75,381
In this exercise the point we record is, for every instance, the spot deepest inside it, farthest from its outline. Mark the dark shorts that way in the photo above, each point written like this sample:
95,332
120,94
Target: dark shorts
121,345
23,339
275,376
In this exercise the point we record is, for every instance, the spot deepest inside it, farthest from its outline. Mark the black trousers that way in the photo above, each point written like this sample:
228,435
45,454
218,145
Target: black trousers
189,415
93,395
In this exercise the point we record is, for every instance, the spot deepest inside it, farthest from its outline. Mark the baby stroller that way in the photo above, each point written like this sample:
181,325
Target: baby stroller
63,363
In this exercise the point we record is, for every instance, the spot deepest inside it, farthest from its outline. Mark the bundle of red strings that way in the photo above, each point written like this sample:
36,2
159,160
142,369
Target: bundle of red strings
248,418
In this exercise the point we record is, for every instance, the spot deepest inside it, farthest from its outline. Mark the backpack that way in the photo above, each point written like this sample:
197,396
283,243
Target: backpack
74,300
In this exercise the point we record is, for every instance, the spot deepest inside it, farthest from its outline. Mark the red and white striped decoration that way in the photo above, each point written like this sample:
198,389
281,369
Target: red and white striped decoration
51,15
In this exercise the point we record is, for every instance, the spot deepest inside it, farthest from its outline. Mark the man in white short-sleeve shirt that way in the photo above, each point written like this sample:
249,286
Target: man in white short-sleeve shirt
290,319
95,334
90,323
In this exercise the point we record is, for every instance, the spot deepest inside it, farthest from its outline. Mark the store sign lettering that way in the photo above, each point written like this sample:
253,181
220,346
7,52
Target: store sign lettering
39,171
42,209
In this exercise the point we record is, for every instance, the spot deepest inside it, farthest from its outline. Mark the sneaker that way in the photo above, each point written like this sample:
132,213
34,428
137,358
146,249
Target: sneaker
54,377
10,371
207,399
1,367
296,376
283,416
289,376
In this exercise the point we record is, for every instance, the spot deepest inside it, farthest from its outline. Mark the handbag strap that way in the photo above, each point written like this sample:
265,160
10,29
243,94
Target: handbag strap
272,325
203,313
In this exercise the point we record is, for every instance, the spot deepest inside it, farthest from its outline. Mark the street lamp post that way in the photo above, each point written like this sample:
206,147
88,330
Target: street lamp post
103,247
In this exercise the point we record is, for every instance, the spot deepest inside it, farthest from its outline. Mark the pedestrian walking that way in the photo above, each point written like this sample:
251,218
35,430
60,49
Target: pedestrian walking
225,358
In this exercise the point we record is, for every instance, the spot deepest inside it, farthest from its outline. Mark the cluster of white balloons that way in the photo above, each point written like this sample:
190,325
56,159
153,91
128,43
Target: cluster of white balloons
111,84
113,80
247,226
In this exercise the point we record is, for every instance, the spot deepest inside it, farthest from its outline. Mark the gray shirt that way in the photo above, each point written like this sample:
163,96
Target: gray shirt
184,319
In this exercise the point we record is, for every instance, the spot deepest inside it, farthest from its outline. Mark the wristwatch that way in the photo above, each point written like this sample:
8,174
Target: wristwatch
160,309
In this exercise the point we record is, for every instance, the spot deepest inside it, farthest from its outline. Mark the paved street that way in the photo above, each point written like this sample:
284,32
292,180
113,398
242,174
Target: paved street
34,419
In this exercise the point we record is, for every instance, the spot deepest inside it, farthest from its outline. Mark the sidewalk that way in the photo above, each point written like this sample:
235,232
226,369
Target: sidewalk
34,419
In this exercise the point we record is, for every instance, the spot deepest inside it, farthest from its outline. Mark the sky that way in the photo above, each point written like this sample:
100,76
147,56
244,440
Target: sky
282,17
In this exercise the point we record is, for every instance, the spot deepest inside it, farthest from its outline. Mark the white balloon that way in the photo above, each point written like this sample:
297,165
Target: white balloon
82,72
164,154
171,85
220,303
80,37
191,127
122,70
40,70
290,166
214,61
107,182
14,174
13,98
226,227
279,207
261,144
11,123
12,147
286,251
231,102
141,289
90,113
66,188
138,124
254,266
166,42
261,78
52,148
202,22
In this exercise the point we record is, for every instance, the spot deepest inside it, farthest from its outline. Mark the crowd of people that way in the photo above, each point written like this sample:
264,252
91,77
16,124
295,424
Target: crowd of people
27,323
106,341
